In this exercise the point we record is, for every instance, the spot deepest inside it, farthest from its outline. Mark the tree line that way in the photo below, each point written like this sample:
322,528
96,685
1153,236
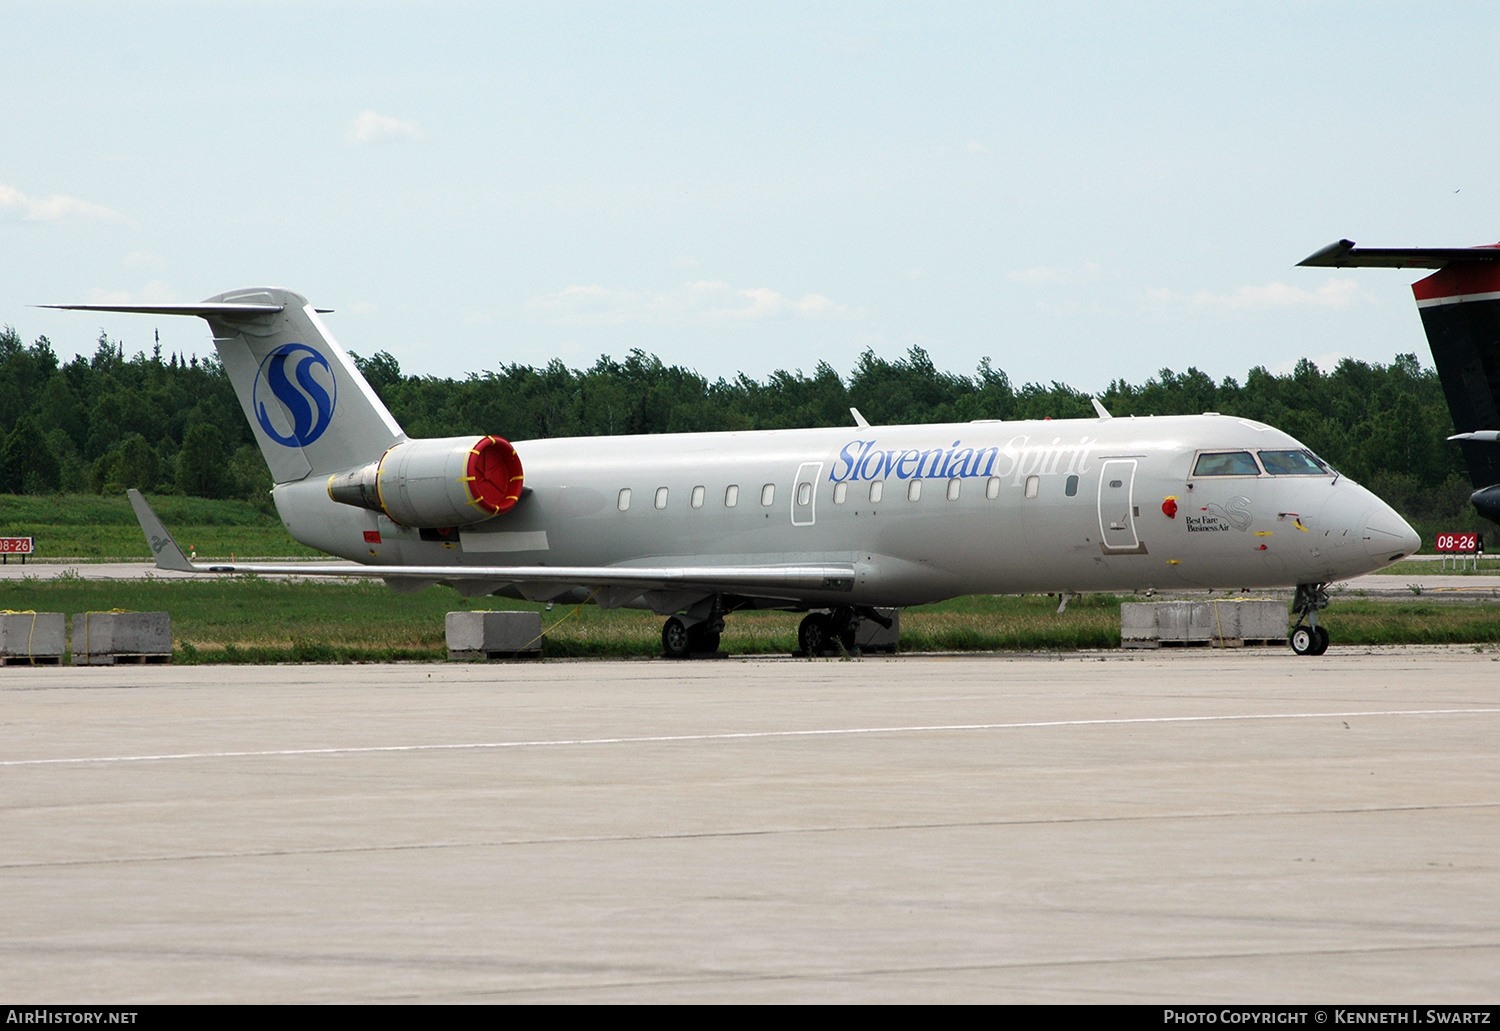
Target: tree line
107,422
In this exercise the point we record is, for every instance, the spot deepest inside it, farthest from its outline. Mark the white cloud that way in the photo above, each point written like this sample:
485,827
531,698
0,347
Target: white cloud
1046,275
370,127
1336,293
15,204
155,292
699,303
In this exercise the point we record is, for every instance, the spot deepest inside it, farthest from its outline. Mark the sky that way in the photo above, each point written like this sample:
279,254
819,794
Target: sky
1078,191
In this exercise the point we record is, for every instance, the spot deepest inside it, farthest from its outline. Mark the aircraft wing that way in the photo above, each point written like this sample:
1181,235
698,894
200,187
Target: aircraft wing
783,580
1345,255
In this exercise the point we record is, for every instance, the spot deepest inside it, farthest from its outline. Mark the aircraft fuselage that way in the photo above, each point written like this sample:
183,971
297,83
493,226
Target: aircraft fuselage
922,513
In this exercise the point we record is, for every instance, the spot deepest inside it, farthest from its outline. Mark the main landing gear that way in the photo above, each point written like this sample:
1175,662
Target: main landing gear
697,631
1310,639
825,633
685,636
681,639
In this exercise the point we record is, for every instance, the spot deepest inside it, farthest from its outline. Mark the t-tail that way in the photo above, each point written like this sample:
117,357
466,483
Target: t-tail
325,434
1460,308
311,411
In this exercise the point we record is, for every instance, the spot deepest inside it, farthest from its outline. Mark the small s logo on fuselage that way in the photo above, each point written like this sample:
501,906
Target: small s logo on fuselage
1234,515
303,381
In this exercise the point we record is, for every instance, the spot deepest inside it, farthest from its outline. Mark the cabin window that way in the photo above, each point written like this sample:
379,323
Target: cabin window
1293,463
661,497
877,489
1226,463
992,488
953,487
1070,487
914,490
804,494
625,499
1033,485
768,495
840,492
731,495
697,499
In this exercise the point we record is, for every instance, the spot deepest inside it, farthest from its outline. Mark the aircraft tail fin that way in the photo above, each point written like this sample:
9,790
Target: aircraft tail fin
1460,309
311,411
166,551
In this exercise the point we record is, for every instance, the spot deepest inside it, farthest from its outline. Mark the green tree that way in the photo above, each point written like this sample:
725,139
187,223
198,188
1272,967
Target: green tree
134,463
201,463
27,464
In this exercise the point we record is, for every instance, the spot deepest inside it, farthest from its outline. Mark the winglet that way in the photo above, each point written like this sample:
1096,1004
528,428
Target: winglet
859,420
168,554
1098,407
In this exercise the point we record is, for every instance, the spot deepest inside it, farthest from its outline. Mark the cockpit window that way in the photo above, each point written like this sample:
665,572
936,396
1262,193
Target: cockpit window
1226,463
1293,463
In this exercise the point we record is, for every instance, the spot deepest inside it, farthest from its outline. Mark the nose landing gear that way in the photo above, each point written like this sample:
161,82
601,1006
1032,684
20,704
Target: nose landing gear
1310,639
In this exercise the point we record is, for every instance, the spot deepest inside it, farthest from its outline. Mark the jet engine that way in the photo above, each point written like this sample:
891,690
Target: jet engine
445,481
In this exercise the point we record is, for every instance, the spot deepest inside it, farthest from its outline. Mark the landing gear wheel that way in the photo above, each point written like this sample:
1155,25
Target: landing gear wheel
1304,640
704,640
1321,645
676,639
815,634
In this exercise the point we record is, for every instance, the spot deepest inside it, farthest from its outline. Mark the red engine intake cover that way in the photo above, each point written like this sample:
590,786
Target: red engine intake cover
495,475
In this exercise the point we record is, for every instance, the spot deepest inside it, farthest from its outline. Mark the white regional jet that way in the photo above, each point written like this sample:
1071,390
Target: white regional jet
834,522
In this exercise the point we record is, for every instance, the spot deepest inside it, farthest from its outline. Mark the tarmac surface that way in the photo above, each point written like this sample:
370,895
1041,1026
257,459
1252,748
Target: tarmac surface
1187,826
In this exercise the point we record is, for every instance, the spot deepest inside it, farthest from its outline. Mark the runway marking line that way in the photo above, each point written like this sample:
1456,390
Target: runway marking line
748,735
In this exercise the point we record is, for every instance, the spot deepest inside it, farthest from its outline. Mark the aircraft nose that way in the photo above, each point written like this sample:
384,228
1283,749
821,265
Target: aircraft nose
1388,537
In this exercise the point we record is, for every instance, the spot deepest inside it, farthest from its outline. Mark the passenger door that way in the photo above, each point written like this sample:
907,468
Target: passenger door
1117,506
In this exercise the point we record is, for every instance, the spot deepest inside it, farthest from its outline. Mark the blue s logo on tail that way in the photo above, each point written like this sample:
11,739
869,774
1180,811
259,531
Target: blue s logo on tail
307,395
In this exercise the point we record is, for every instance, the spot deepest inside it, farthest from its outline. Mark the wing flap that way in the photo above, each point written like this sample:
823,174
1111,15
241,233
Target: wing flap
790,577
793,577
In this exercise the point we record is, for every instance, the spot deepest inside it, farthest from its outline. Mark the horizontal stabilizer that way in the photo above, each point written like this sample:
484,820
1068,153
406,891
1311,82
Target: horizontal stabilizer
219,310
1345,255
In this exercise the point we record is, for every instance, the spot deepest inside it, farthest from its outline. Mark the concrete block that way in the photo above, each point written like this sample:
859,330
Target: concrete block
106,638
1138,621
486,635
1263,619
1227,621
873,637
1224,620
32,635
1184,621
